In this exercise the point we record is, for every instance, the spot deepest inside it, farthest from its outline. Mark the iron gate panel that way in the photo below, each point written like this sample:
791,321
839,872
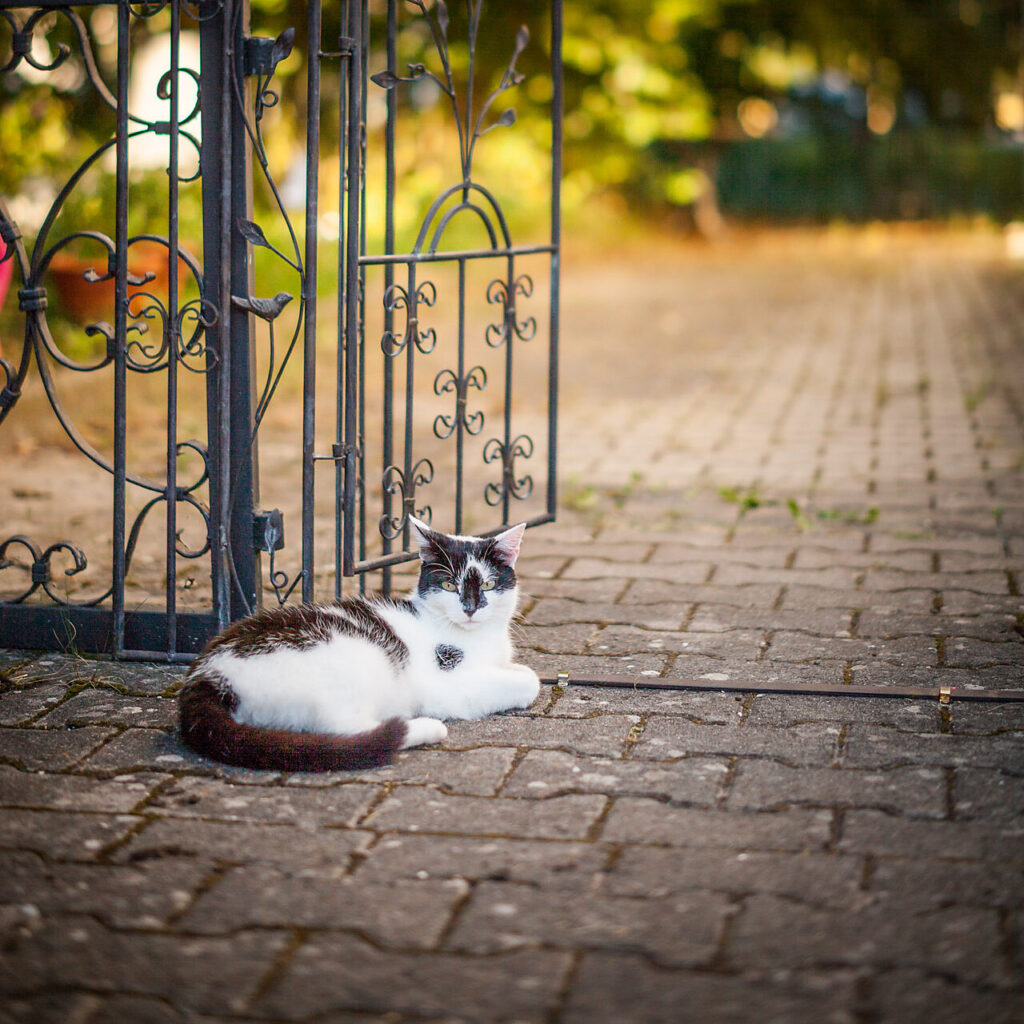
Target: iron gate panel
195,340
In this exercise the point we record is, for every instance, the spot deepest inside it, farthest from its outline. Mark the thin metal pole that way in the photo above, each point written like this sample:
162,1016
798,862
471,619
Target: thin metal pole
120,326
309,298
460,397
171,327
944,694
388,413
556,242
352,240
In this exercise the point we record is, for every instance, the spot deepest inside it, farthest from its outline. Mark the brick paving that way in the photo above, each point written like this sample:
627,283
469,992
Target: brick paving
811,471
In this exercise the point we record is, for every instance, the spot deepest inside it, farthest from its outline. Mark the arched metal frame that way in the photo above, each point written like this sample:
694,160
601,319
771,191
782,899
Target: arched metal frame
213,335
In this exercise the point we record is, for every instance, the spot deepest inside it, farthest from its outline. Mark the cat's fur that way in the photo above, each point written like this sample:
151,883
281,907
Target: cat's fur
345,684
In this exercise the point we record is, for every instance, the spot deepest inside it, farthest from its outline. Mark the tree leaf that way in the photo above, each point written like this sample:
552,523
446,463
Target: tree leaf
507,118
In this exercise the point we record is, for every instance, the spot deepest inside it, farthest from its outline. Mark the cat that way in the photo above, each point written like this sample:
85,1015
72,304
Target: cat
344,684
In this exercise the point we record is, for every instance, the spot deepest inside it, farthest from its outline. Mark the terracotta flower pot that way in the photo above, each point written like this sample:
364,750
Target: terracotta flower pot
88,301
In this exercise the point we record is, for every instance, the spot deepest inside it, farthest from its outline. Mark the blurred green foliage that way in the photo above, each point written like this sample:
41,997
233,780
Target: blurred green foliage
654,109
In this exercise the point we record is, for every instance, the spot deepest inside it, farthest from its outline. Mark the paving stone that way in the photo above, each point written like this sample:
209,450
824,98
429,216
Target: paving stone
108,707
206,975
553,611
218,800
874,832
678,930
581,701
650,821
978,582
786,710
59,834
242,843
572,638
984,718
653,872
52,749
869,746
749,595
73,792
902,995
416,810
602,734
972,652
734,644
54,667
965,883
477,772
678,575
547,773
407,913
17,707
980,794
720,618
765,785
958,941
547,666
666,738
623,987
341,972
141,895
552,865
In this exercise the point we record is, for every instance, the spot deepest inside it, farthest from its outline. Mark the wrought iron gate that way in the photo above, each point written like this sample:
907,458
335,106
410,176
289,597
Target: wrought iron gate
175,380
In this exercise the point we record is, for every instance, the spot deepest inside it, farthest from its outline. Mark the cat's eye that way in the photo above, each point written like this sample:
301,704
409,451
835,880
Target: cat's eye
489,585
447,585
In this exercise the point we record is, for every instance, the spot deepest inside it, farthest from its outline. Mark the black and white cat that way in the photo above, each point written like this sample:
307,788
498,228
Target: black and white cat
345,684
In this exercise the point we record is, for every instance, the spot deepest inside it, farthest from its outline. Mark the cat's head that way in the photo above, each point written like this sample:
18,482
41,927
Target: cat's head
468,580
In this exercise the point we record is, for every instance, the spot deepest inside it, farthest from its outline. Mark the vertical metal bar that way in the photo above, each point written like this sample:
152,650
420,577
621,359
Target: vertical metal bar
120,325
410,366
510,333
556,255
388,413
361,336
309,297
245,559
171,327
353,200
460,397
339,369
215,93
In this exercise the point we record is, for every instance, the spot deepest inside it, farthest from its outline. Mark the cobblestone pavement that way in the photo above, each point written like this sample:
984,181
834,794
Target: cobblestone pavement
788,459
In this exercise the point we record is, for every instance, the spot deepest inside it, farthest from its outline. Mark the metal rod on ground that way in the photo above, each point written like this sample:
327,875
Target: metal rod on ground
943,694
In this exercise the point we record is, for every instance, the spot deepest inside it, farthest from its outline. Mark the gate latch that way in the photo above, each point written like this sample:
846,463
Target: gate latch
268,530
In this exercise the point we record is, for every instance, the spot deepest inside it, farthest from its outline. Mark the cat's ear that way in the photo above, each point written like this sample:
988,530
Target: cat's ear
424,536
507,544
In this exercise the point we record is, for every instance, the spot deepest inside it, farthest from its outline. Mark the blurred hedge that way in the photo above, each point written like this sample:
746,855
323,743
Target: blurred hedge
903,175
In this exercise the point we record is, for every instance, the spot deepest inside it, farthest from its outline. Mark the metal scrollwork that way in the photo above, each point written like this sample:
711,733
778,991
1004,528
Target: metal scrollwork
397,297
446,381
40,572
519,488
395,482
502,293
470,127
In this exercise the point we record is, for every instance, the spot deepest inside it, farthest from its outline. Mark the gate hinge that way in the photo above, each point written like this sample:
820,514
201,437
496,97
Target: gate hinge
268,529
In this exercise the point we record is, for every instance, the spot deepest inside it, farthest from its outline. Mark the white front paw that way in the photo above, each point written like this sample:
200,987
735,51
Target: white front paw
422,731
526,686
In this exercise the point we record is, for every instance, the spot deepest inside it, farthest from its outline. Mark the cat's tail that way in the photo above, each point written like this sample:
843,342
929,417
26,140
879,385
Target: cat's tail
209,728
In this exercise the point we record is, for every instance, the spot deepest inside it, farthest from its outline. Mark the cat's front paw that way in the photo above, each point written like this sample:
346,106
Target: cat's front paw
525,686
